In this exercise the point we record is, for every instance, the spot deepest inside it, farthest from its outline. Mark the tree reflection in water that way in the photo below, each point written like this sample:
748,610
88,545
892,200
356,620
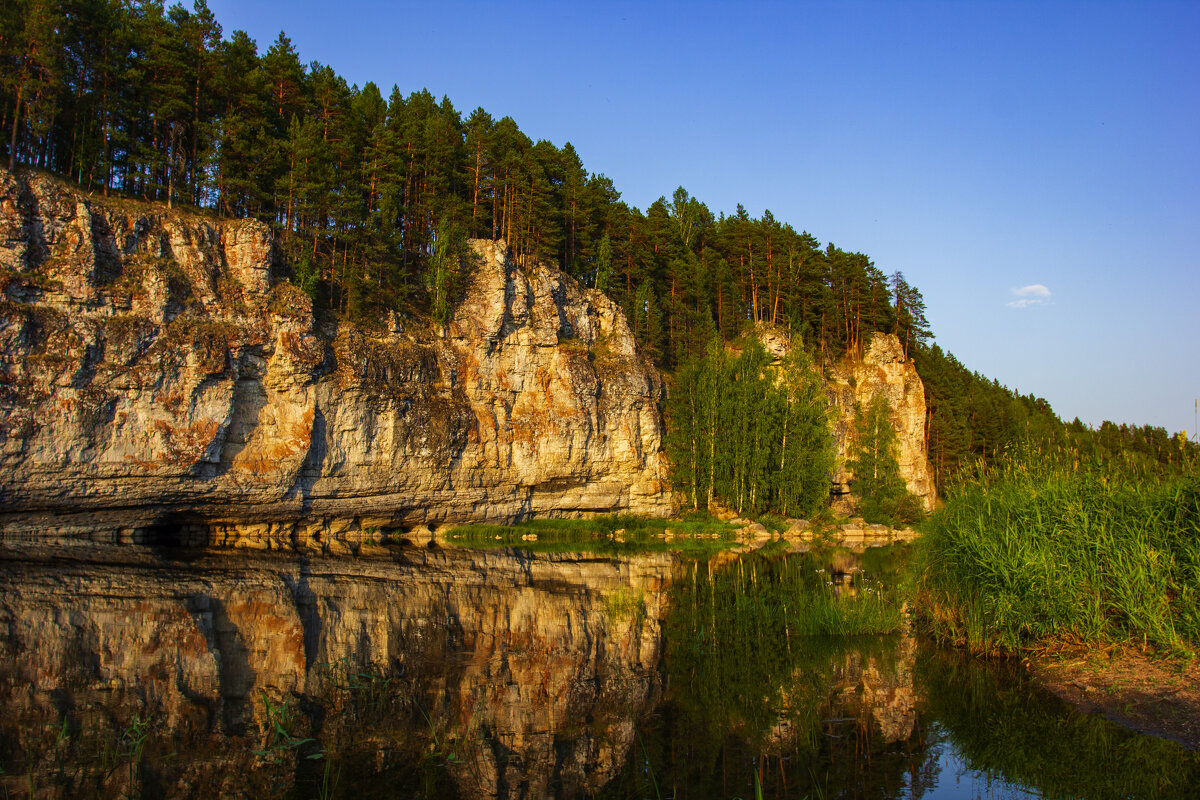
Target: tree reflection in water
762,698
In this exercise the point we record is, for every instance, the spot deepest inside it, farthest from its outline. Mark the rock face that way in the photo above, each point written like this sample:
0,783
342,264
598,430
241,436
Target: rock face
883,369
496,657
152,360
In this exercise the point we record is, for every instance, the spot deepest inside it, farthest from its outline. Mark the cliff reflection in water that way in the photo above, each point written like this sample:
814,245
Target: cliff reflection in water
489,673
415,672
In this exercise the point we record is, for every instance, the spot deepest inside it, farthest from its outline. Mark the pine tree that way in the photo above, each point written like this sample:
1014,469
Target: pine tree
242,127
478,129
149,99
32,76
911,326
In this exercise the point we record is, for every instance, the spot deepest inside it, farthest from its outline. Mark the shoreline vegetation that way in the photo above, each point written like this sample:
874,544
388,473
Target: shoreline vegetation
1049,546
696,534
1085,564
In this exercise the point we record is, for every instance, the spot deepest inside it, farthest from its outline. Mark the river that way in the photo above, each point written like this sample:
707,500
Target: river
153,670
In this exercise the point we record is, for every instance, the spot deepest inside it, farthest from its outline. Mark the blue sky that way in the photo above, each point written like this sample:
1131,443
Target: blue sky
980,148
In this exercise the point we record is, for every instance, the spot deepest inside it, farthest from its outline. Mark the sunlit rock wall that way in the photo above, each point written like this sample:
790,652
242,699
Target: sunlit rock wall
150,359
883,369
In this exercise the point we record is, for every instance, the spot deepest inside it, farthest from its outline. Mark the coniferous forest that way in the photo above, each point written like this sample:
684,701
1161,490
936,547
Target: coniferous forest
367,192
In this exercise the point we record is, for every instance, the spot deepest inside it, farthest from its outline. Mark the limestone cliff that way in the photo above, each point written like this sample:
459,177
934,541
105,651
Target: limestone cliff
883,369
152,360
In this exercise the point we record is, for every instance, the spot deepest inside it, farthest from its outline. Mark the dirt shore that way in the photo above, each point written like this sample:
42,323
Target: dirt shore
1150,695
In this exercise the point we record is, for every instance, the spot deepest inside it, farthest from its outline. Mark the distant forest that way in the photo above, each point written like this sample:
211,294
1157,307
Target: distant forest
364,192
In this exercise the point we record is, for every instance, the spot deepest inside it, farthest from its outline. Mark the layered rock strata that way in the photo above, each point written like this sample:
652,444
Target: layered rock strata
153,361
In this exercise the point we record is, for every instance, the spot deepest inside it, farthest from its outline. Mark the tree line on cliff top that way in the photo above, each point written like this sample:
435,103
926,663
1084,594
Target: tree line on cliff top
155,103
367,196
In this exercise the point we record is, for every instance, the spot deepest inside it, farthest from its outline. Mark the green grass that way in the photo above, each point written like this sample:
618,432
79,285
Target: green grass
609,534
873,611
1049,547
624,603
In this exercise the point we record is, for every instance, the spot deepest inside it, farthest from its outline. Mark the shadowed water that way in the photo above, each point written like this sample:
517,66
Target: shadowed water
428,672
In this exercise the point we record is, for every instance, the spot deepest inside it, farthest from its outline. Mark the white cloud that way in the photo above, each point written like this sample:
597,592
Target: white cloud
1035,294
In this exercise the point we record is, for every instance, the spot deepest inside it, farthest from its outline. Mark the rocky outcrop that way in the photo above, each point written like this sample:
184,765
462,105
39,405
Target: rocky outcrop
856,381
883,369
152,361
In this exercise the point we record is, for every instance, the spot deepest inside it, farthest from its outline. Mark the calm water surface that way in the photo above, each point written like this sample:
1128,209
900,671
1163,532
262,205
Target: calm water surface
142,671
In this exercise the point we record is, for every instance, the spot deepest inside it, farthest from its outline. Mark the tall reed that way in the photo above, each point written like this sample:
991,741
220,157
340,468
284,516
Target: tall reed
1052,545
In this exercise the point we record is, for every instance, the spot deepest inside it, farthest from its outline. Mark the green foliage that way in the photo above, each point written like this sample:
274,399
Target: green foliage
307,277
750,435
614,534
603,266
1149,446
155,102
132,746
279,740
912,327
623,603
881,491
1053,544
972,417
445,270
873,451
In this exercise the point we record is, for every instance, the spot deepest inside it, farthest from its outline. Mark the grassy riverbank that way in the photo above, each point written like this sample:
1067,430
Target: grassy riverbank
1049,547
612,534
